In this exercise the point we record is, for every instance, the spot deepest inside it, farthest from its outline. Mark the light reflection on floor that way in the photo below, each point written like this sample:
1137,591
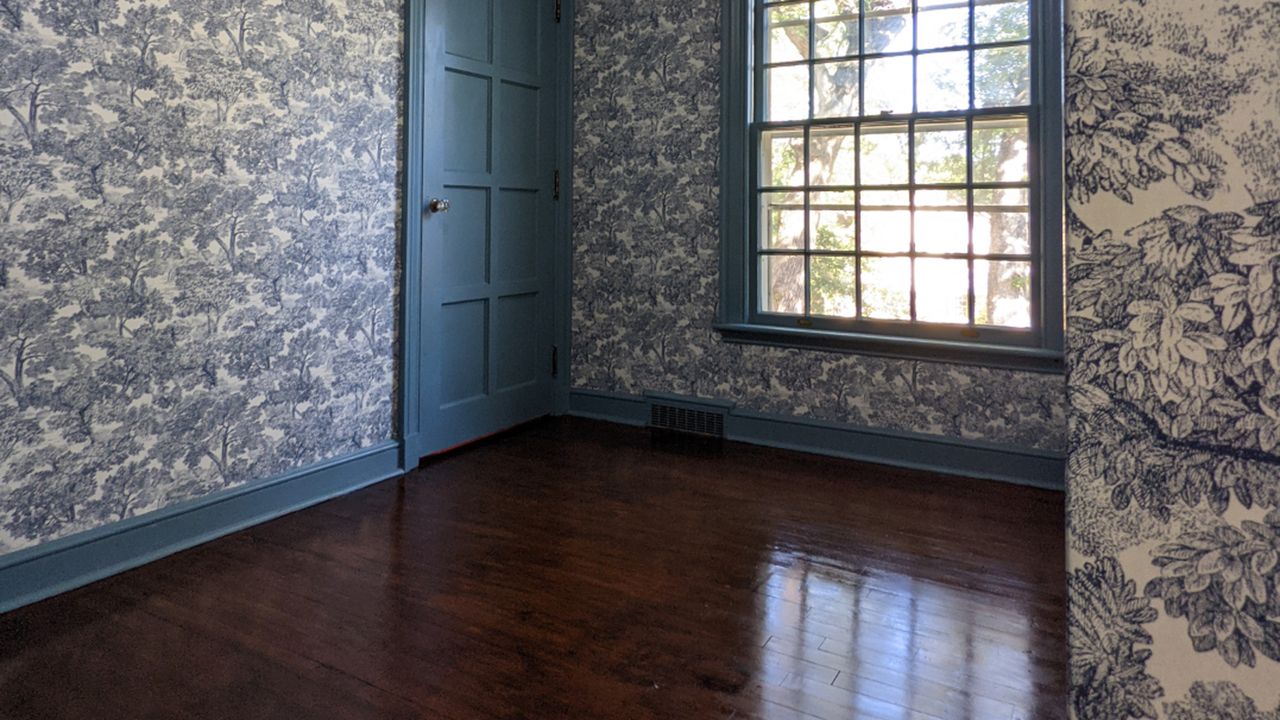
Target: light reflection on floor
834,640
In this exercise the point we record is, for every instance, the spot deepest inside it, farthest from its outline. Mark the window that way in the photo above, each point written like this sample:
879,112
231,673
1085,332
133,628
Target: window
891,177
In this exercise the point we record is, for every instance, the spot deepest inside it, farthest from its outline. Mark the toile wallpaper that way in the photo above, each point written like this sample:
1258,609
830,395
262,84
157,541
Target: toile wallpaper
1173,124
198,203
646,255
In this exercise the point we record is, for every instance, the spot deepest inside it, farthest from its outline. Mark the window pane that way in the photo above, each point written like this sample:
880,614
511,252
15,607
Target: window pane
1003,293
886,221
1000,147
884,154
1001,222
782,220
942,81
787,27
942,291
1002,77
782,284
888,26
787,96
998,22
999,231
886,288
782,158
942,230
834,286
833,156
940,153
836,27
888,85
835,89
942,27
833,218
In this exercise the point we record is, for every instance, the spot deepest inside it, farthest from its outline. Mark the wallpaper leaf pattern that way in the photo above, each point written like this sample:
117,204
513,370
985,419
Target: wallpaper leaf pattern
1223,582
1109,645
1174,354
1218,701
197,248
646,256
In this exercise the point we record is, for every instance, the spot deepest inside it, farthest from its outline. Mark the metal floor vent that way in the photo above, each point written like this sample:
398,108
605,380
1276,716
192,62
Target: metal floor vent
709,423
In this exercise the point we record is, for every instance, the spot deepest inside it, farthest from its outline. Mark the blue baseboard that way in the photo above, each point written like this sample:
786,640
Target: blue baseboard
968,458
36,573
55,567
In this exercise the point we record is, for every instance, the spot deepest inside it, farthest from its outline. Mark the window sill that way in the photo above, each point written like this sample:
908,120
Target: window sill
941,351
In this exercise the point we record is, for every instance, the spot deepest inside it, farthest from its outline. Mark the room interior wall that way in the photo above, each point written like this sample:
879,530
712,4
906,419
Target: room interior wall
1173,142
646,256
198,209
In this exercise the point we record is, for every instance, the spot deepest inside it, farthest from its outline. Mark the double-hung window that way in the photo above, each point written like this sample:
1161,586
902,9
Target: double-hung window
891,177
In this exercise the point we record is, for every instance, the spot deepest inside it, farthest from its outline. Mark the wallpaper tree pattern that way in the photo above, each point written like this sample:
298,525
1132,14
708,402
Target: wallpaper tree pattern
1173,125
646,255
197,248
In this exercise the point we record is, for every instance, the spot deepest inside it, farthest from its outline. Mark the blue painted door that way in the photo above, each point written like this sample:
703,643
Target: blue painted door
488,226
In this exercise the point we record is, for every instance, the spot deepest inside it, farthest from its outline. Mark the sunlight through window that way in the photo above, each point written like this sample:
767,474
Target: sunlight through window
894,162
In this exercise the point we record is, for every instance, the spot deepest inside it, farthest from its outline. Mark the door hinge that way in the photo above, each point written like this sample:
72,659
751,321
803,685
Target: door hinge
555,188
558,10
555,361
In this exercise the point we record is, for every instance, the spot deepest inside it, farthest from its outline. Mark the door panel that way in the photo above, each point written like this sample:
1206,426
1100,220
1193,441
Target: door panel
518,48
467,25
515,248
489,149
518,128
515,344
464,238
462,370
466,112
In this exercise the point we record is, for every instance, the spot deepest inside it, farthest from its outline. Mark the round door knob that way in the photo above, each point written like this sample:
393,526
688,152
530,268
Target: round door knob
438,205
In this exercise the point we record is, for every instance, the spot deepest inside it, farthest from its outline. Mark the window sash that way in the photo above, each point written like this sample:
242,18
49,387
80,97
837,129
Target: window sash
758,314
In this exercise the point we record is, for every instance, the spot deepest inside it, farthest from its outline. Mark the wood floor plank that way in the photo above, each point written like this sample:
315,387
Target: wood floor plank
575,569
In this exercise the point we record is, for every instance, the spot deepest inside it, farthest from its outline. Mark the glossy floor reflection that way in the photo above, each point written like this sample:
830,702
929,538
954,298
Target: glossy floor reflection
574,569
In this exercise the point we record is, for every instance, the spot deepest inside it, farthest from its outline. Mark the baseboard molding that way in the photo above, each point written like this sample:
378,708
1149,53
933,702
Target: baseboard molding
36,573
968,458
55,567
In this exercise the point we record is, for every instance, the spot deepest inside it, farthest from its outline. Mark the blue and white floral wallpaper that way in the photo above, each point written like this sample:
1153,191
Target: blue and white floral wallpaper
198,205
646,255
1173,143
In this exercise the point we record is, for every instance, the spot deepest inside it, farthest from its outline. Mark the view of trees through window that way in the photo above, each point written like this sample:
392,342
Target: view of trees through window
893,176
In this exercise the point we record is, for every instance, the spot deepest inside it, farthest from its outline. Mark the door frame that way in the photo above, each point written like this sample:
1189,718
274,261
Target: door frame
562,256
408,414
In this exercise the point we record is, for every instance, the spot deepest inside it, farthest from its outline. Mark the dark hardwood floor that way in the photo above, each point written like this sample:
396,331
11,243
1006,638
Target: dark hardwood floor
574,569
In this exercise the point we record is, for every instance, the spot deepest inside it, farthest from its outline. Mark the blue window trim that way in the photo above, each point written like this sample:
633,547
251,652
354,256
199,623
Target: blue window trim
1040,350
